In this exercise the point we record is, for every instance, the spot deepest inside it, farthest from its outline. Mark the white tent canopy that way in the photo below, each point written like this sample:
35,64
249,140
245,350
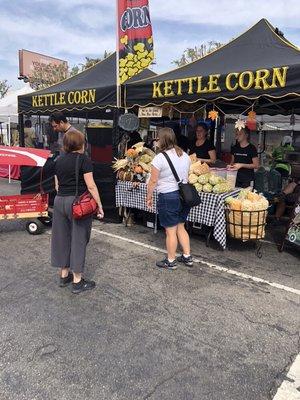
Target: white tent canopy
274,122
9,103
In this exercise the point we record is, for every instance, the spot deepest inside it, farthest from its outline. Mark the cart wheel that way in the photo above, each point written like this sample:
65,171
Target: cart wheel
34,227
47,221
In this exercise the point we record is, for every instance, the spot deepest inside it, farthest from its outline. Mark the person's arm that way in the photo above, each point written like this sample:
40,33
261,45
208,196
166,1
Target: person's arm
254,165
212,157
92,188
151,186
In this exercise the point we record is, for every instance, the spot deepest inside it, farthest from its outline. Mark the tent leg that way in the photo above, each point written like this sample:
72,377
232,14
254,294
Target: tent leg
220,125
21,130
116,133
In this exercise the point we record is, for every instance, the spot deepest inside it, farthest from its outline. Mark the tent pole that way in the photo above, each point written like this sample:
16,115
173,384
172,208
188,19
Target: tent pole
118,87
116,133
21,130
9,143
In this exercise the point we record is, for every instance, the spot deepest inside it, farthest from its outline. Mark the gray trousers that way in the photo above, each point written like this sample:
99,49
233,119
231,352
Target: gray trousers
69,236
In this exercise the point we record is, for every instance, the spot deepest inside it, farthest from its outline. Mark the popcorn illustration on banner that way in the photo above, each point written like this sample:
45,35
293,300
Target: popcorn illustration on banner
135,38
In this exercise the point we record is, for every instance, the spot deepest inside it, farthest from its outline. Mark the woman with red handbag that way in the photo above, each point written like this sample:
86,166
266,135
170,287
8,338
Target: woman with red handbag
76,201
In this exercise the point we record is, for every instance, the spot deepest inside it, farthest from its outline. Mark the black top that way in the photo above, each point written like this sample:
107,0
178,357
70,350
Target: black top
183,142
202,151
134,138
244,155
65,172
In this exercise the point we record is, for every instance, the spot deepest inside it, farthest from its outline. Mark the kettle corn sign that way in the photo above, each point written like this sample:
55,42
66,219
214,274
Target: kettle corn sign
262,79
75,97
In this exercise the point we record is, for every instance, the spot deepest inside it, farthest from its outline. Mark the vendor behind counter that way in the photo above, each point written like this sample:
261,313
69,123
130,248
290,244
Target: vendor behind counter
202,147
244,158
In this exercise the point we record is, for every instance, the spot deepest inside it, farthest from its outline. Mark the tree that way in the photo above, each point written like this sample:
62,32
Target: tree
192,54
4,86
89,62
74,70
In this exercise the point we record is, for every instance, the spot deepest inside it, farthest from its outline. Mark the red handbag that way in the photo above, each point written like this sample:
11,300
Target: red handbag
85,205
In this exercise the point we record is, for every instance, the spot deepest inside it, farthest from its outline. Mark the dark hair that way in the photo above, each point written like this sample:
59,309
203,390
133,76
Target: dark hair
58,117
202,125
246,130
167,141
27,123
73,141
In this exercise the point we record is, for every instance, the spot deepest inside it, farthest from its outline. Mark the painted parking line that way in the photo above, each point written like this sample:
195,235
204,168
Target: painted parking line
207,264
290,387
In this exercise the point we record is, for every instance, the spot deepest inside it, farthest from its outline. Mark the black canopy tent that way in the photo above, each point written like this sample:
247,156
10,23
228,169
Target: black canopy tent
88,94
91,95
259,68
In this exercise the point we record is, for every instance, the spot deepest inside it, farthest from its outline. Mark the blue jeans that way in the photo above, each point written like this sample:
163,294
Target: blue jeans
171,211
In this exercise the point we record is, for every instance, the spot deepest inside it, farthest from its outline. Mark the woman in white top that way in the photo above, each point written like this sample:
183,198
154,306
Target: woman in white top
172,213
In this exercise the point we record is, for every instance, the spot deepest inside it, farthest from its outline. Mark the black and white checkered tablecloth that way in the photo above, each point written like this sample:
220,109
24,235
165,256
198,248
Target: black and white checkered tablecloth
129,195
210,212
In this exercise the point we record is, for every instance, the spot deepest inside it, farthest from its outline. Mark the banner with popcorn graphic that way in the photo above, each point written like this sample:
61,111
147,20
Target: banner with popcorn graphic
135,41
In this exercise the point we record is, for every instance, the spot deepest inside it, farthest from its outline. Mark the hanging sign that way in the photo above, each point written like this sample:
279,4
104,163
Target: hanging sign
135,41
129,122
150,112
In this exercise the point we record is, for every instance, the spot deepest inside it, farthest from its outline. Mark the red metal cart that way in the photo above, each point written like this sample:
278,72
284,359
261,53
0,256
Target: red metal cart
33,207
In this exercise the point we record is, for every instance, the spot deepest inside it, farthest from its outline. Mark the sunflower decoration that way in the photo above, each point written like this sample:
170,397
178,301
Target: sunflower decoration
213,115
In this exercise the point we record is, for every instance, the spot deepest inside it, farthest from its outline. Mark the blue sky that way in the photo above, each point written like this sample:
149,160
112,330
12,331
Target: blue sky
73,29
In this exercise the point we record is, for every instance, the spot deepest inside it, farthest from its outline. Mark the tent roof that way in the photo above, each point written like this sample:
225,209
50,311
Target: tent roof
100,78
260,47
9,103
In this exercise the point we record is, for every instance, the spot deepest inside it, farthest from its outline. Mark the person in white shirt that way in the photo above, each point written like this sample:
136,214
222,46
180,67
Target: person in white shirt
171,211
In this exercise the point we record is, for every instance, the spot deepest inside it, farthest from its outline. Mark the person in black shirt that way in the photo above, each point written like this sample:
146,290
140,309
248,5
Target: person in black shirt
182,141
244,158
134,138
70,236
204,150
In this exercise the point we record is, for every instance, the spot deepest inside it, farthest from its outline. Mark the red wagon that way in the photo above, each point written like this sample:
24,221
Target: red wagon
33,207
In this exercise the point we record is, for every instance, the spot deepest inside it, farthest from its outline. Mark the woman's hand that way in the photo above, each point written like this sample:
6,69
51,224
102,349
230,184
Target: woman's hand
236,166
150,202
100,213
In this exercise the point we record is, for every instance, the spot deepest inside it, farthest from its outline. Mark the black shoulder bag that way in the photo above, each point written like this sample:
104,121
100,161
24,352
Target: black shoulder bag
187,191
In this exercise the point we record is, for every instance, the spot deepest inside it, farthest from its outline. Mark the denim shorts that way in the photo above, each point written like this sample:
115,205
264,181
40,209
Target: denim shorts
171,211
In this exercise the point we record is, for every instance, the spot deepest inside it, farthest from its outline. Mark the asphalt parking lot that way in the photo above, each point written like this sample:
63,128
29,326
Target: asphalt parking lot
212,332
